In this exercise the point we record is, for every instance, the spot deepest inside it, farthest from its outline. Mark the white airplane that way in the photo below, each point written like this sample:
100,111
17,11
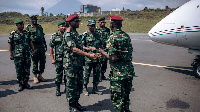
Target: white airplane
181,28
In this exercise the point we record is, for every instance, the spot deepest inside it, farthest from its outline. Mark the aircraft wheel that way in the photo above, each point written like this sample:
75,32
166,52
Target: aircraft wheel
197,72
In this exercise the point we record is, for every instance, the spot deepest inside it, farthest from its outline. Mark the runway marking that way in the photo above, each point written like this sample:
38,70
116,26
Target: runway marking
141,39
159,66
3,50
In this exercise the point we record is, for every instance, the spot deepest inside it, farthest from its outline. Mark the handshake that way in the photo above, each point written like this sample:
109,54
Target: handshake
96,53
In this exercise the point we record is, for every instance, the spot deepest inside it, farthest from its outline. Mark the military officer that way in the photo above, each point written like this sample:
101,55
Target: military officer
122,71
20,46
104,32
91,43
39,43
56,44
73,63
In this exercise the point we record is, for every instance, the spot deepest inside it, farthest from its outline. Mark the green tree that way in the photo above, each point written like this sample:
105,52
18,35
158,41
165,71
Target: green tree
42,11
50,14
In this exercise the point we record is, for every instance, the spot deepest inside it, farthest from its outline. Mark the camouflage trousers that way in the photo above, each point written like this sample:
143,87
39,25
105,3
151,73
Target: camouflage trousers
74,86
22,66
103,66
39,59
120,91
59,73
96,72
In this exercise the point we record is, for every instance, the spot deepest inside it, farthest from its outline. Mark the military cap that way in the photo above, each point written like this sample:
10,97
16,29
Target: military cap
102,18
34,17
91,22
115,18
18,21
71,17
61,22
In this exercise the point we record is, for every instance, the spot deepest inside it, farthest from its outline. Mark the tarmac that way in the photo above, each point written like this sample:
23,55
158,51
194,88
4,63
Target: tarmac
164,82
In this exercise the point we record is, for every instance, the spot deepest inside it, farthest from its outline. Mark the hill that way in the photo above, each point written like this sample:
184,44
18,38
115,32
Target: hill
71,6
134,21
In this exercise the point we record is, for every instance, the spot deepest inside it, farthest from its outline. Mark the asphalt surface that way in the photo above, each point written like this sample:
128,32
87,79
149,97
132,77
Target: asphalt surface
164,82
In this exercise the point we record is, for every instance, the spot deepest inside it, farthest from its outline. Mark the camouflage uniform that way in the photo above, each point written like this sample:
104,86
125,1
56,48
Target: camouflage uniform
122,70
104,37
91,40
56,43
37,36
21,53
73,65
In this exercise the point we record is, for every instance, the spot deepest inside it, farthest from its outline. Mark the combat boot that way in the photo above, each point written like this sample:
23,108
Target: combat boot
35,78
95,90
85,90
27,86
58,90
72,107
41,78
20,87
79,107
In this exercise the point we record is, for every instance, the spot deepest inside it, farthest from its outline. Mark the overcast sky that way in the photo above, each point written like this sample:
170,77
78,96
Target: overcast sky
33,6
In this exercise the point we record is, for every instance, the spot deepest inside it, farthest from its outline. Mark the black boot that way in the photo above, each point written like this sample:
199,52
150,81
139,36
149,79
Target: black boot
20,88
58,90
27,86
95,90
72,107
79,107
103,77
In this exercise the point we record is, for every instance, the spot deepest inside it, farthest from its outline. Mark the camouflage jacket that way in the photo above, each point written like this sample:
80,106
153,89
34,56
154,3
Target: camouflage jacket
71,59
119,44
37,34
104,32
56,42
20,43
91,40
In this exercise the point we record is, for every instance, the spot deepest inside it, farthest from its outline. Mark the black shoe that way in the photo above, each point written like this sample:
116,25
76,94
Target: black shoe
72,107
80,108
58,93
27,86
20,88
103,77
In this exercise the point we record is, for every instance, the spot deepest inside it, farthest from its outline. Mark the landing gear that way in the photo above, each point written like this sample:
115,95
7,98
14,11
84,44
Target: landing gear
196,66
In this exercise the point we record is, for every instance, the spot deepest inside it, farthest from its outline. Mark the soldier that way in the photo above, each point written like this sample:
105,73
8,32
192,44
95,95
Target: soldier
122,71
91,43
19,47
104,32
56,44
73,63
39,43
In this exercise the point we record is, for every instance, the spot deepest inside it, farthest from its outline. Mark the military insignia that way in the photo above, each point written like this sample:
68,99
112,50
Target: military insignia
32,26
89,37
67,34
108,45
68,30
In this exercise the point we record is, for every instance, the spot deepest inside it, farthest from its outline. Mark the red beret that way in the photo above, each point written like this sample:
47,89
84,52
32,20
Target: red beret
71,17
115,18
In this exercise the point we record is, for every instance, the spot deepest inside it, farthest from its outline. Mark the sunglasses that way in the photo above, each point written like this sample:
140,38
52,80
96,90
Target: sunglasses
77,20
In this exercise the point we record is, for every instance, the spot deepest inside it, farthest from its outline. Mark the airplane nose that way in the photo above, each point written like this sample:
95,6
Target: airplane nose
163,33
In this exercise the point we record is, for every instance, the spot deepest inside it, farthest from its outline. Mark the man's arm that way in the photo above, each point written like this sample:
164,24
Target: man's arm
89,48
80,52
53,61
110,57
10,51
31,45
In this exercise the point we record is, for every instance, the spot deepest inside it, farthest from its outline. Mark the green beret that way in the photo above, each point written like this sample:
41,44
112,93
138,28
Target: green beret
61,22
91,22
18,21
34,16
